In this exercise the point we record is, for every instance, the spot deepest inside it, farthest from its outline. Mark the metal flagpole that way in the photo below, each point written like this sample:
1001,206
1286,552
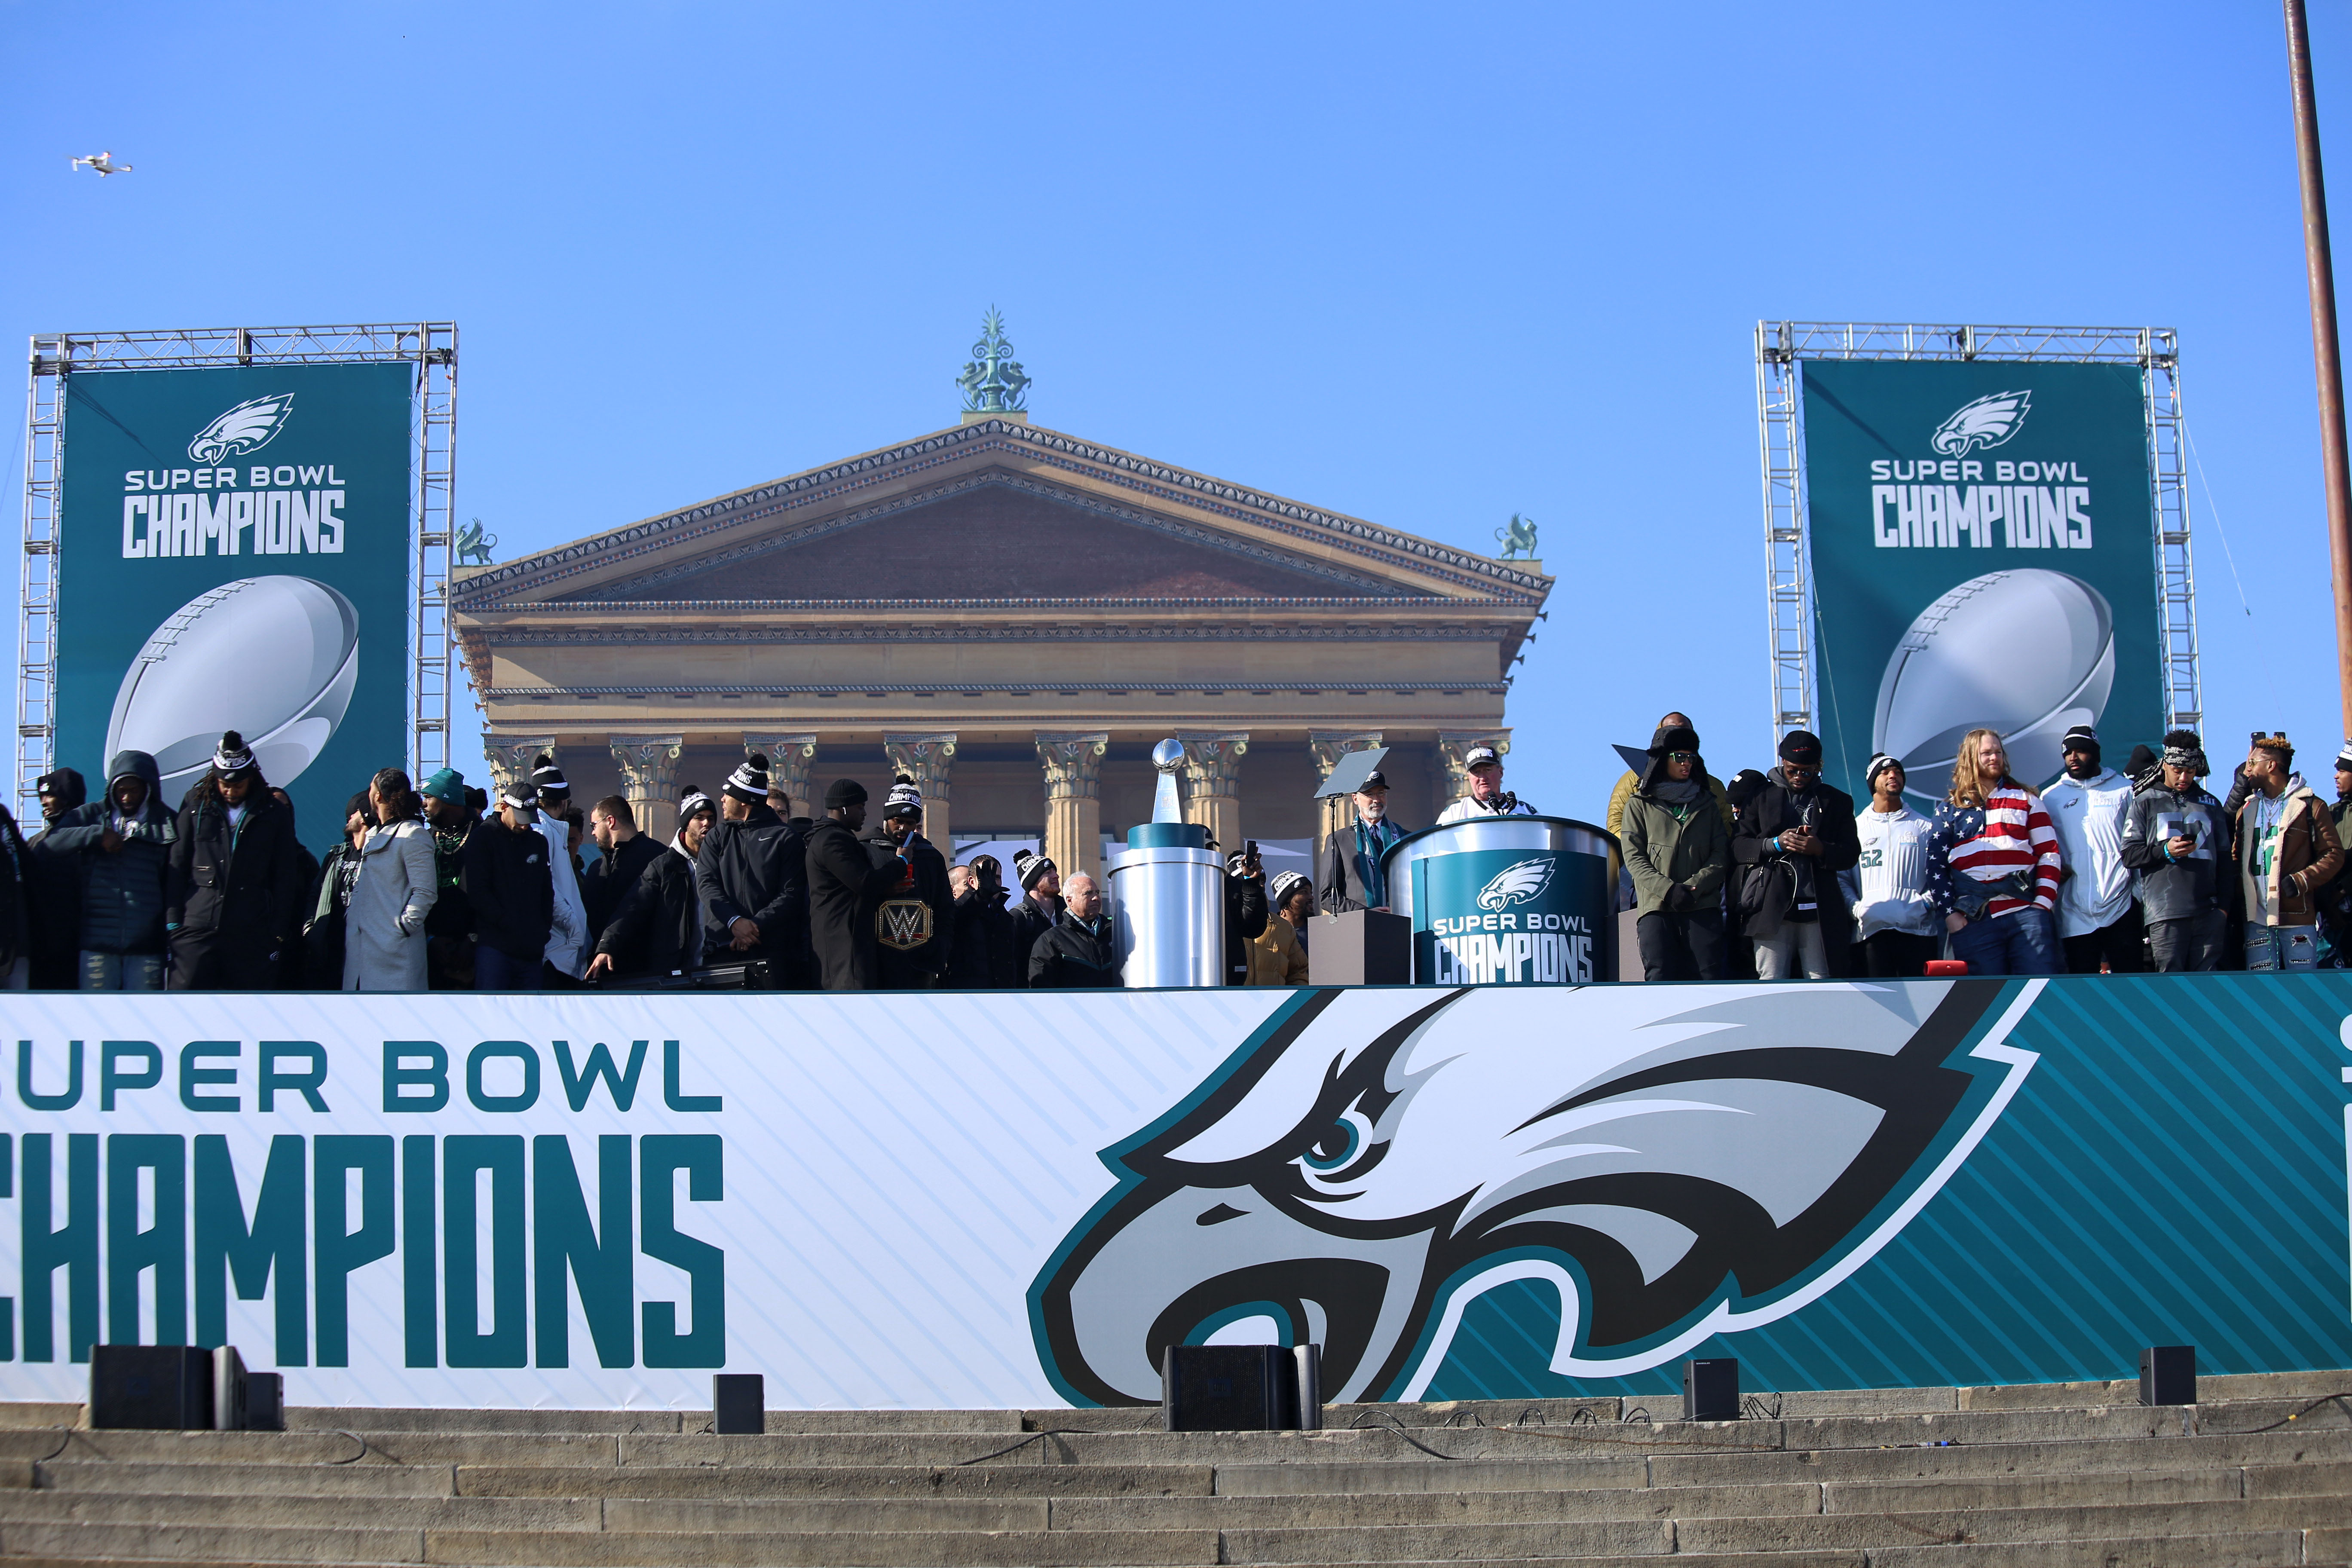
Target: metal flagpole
2326,353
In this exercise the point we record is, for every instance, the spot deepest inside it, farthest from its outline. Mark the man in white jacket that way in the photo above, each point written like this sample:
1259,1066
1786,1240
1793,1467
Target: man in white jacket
567,941
2098,916
1894,925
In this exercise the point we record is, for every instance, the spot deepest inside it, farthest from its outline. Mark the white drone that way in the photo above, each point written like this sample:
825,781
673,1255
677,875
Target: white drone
104,163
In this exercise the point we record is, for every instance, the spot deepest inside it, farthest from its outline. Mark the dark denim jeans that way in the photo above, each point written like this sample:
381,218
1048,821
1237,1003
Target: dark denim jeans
2022,942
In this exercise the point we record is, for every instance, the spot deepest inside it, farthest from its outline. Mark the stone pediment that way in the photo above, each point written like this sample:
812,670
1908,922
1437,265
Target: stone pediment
989,512
995,536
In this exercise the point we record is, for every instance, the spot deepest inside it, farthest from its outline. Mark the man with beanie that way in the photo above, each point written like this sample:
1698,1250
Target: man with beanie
122,845
1678,850
1796,834
449,923
568,937
1040,905
236,879
914,923
658,929
2174,838
1895,925
1353,878
2098,923
845,888
56,880
509,888
752,876
2287,849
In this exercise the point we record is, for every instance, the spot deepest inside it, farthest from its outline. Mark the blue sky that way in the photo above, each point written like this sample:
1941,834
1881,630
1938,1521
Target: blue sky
1430,266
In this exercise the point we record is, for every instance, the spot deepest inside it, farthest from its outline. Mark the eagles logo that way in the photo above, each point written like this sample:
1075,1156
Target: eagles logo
1515,884
244,429
1987,421
903,924
1674,1161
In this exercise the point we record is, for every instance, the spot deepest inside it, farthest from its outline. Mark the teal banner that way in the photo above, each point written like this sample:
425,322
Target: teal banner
233,555
1983,556
1511,917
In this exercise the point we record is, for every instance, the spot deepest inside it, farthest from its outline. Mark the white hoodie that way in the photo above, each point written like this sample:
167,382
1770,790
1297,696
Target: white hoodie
1889,882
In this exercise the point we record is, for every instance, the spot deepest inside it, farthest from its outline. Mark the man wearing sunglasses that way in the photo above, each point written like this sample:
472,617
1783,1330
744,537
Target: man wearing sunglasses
1798,834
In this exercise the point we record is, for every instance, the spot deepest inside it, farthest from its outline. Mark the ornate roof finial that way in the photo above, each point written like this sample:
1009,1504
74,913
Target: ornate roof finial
993,387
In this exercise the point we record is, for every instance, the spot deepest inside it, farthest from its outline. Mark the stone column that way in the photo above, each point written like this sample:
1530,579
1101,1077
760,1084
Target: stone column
1073,800
1328,746
792,762
649,779
1213,787
510,758
1452,779
927,760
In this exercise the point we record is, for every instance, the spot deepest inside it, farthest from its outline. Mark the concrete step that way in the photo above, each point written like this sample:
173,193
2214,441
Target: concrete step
1925,1462
874,1549
842,1482
273,1481
323,1448
283,1512
1970,1526
1430,1508
319,1418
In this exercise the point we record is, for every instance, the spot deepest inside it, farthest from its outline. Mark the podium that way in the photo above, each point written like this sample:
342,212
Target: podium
1359,947
1506,901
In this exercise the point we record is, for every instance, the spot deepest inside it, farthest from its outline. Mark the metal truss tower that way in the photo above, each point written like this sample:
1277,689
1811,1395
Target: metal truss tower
431,346
1782,347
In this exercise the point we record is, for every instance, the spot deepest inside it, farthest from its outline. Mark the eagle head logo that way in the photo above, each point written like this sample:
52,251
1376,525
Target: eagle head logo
1515,884
1674,1161
252,424
1987,421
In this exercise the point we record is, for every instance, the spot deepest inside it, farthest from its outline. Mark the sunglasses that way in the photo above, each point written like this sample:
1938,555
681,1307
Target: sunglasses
1681,756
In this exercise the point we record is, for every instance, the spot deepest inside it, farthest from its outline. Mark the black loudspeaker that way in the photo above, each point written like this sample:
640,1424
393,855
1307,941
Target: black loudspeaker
1711,1390
1241,1388
739,1404
2168,1374
157,1388
264,1402
232,1392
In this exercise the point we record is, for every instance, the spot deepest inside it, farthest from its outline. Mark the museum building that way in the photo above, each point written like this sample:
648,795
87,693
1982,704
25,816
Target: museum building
1013,617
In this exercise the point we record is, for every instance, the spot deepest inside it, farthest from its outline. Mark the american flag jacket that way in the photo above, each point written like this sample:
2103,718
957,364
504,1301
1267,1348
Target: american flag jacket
2010,833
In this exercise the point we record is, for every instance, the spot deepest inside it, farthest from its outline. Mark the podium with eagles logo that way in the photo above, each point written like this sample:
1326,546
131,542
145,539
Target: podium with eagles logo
1506,901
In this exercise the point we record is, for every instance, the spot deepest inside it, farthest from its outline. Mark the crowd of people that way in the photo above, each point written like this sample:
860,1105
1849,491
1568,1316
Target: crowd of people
1770,874
1777,875
439,887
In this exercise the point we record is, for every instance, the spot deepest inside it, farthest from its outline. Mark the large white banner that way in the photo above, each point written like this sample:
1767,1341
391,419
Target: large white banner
957,1200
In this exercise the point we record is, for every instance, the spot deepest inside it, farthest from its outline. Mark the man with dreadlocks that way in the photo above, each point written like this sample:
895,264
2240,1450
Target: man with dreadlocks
234,893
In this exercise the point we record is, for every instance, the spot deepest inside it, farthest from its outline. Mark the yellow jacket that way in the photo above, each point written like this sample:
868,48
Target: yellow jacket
1276,956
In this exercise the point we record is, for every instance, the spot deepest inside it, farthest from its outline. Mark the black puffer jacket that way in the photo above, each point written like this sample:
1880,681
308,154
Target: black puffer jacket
920,877
606,883
658,929
1070,957
984,958
512,888
1245,921
844,886
122,892
755,869
1032,918
236,892
55,894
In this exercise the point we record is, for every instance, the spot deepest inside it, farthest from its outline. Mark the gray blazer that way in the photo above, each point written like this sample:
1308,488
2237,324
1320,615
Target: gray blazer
384,931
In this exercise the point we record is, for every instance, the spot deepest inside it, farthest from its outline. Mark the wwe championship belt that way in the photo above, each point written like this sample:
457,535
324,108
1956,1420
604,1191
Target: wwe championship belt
903,924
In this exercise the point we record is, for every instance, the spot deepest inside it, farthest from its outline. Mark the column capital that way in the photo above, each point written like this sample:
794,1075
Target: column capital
790,760
1073,762
649,777
509,756
1330,745
928,759
1213,759
646,750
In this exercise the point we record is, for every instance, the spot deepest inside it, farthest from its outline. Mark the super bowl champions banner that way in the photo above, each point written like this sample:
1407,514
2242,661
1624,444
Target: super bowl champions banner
1015,1199
233,555
1983,557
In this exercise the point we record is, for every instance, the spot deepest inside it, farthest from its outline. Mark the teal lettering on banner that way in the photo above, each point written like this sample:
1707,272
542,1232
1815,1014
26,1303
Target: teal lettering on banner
162,1247
599,1257
109,1080
339,1248
73,1247
193,1077
702,1155
621,1087
399,1078
67,1100
522,1099
670,1095
307,1084
420,1322
504,1344
275,1243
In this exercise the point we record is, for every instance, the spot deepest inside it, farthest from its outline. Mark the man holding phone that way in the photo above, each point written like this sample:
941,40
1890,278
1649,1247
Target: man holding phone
2174,837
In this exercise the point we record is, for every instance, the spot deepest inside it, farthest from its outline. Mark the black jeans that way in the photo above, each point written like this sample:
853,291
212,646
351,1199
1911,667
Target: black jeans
2118,943
1687,946
1897,954
2191,944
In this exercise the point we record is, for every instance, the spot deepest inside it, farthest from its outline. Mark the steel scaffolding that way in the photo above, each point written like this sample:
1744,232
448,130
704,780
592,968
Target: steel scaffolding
431,346
1782,349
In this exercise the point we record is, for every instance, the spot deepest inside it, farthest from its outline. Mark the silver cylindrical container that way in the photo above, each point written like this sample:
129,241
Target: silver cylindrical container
1168,910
